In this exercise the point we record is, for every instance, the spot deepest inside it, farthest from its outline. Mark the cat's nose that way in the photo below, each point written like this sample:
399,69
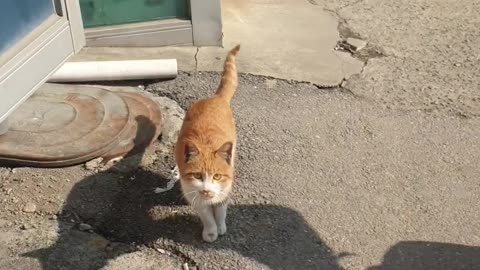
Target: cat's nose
206,193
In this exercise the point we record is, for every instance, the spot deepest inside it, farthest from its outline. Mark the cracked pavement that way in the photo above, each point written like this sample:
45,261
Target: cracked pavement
380,173
380,188
431,53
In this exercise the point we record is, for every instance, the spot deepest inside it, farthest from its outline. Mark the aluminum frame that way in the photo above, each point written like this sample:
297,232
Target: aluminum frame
31,61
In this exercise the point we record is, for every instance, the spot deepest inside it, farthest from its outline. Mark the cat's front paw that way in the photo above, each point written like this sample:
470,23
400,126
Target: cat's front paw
210,234
222,229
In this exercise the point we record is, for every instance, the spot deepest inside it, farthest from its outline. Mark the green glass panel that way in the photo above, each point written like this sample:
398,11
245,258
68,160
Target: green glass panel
112,12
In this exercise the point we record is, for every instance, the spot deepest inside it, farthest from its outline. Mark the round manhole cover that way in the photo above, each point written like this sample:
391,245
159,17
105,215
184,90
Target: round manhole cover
62,125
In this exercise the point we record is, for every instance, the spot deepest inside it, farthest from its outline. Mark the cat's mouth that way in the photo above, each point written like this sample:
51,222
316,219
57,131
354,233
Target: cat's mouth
206,195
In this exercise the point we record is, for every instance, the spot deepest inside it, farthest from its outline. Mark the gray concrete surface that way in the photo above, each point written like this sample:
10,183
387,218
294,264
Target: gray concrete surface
325,180
432,51
286,39
358,178
379,174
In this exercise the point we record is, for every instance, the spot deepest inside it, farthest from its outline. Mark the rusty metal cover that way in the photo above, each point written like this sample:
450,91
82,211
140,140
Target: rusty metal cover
61,125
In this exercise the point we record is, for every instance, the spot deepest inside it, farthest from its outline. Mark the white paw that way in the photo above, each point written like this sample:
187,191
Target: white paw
175,176
222,229
210,234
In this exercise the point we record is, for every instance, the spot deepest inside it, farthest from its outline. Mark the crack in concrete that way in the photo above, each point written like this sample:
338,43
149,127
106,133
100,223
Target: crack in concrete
313,2
291,81
349,5
339,87
343,70
346,32
196,59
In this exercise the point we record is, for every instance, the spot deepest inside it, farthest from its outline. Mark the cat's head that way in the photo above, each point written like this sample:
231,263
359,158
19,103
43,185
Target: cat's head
207,173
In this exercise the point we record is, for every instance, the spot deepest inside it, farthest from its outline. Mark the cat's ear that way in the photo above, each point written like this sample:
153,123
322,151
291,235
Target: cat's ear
191,151
225,152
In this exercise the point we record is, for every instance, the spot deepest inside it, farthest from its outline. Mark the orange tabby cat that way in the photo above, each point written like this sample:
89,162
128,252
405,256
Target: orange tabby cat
205,152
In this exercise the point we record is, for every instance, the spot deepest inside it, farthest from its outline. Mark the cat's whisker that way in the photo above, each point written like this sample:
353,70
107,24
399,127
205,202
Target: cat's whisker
202,203
185,195
193,201
190,192
223,202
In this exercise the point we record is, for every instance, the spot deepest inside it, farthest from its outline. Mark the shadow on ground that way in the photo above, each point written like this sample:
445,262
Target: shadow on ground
124,209
417,255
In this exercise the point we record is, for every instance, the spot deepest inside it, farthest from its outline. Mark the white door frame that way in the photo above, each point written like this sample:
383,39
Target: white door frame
31,61
207,22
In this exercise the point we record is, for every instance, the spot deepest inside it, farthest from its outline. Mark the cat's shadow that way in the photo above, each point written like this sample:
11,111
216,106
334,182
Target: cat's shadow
128,211
273,235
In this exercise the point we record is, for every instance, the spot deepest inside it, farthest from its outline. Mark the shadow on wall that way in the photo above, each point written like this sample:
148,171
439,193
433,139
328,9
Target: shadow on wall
430,256
124,209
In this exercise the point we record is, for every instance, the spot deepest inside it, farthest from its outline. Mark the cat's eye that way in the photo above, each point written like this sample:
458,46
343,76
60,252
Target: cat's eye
197,176
217,176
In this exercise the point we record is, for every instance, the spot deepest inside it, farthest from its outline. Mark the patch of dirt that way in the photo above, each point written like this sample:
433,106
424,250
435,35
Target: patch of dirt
46,189
77,203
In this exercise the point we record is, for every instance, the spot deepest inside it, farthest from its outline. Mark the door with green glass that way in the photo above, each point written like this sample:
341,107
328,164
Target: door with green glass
114,12
151,23
136,23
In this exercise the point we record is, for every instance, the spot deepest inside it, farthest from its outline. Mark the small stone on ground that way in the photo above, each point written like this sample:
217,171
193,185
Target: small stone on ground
29,208
357,44
84,227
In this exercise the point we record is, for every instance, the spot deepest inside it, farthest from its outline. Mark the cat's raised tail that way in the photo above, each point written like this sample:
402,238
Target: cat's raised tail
229,81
